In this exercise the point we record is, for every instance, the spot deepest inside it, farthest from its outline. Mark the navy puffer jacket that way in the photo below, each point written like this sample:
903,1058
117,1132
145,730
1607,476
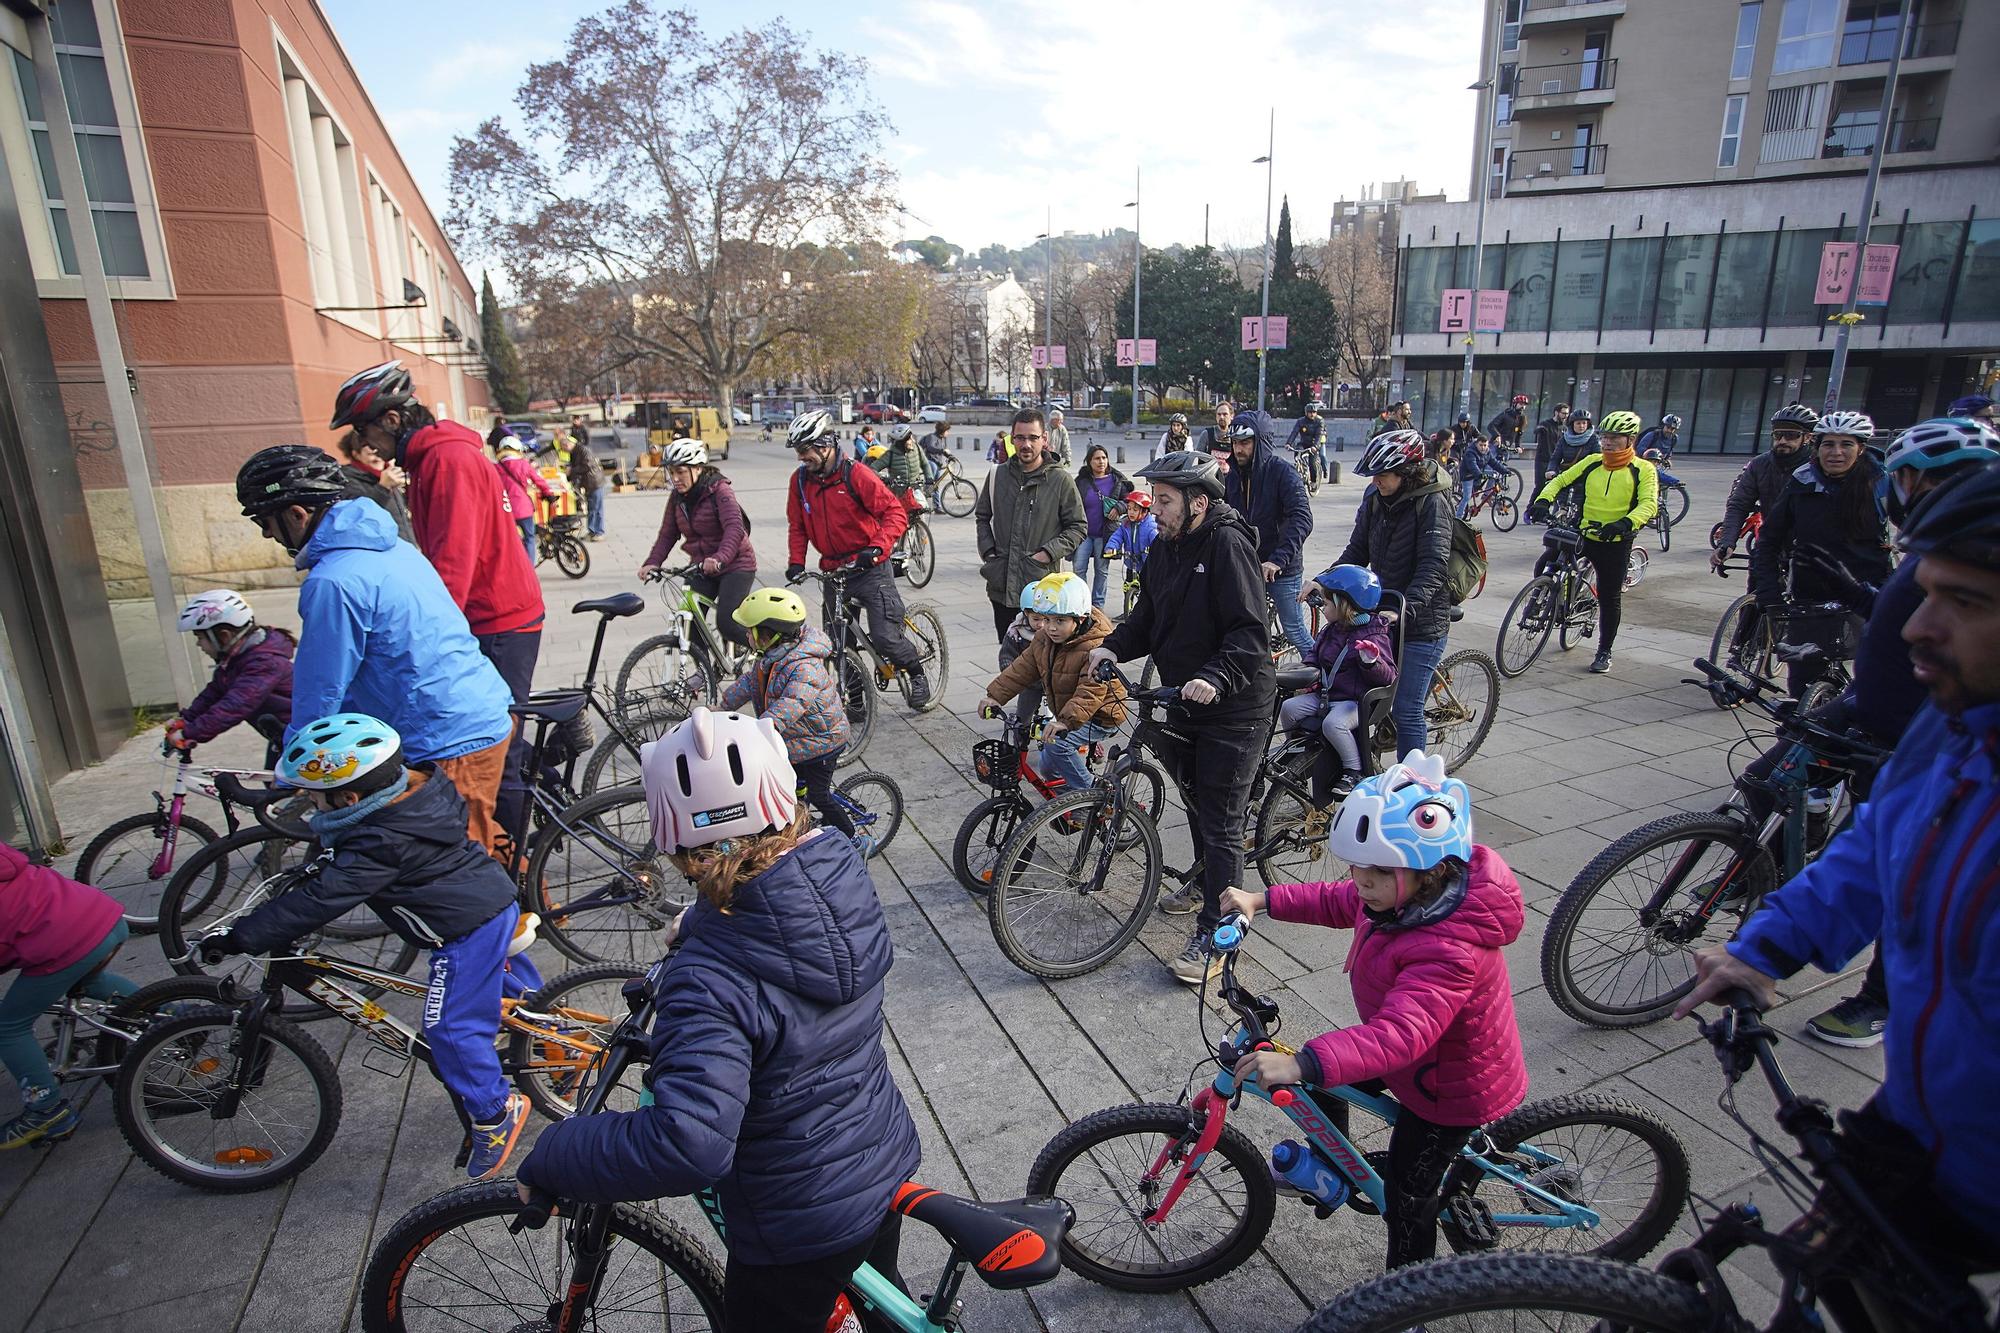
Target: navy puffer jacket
1270,496
767,1073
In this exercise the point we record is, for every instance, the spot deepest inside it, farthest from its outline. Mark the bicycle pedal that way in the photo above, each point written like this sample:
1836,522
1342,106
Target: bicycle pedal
1472,1222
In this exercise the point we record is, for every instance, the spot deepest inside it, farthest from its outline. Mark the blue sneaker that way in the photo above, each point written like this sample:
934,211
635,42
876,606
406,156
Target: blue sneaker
864,842
493,1143
52,1124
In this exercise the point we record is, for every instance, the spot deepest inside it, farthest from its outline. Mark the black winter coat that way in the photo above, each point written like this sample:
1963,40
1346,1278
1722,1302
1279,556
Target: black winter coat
1202,612
1407,542
365,485
1807,517
1270,496
410,863
1757,487
1548,444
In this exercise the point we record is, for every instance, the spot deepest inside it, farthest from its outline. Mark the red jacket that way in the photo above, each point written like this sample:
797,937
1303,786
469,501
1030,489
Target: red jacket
48,921
459,508
841,514
1437,1010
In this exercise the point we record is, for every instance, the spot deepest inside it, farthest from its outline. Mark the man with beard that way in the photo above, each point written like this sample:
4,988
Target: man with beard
1201,618
1917,868
1757,487
1265,489
1548,443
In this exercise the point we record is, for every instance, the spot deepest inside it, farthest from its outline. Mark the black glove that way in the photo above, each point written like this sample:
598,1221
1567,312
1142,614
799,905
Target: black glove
795,573
221,946
1617,530
868,557
1538,512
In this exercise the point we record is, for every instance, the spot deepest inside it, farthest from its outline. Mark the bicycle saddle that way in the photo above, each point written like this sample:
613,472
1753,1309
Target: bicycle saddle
557,706
618,604
1293,678
1011,1245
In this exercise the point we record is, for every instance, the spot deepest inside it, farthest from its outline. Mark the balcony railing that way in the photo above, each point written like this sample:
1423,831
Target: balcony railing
1559,165
1581,76
1857,139
1868,46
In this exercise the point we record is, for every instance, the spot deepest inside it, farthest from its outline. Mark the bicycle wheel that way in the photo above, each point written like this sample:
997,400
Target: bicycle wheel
958,496
138,1011
1663,526
555,1036
1561,1292
1504,513
1579,618
1757,644
975,851
659,684
1636,567
1459,711
1619,950
121,861
1510,481
881,810
611,764
857,693
926,631
1615,1158
602,889
919,552
1674,503
458,1253
171,1079
1524,630
1064,902
572,557
1104,1165
1295,833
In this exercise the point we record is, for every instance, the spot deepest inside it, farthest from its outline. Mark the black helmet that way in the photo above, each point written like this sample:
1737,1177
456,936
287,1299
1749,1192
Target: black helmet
1671,421
1960,520
286,475
1796,414
1185,470
370,393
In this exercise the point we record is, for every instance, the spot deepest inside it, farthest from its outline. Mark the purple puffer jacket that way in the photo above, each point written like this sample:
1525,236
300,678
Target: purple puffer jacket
1370,659
792,685
1437,1009
711,522
253,684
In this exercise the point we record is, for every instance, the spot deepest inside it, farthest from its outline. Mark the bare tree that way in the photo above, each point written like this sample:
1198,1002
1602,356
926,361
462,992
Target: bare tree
572,344
1356,274
690,174
860,326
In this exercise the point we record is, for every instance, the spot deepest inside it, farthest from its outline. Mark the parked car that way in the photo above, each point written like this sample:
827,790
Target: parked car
992,402
934,412
741,417
880,413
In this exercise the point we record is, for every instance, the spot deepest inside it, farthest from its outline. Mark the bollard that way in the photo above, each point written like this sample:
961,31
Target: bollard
1121,453
1333,472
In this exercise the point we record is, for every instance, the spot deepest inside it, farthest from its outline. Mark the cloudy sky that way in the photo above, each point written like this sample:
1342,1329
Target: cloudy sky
1004,111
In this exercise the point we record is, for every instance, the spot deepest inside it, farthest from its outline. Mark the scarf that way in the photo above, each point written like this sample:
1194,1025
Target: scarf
1617,458
1573,437
330,825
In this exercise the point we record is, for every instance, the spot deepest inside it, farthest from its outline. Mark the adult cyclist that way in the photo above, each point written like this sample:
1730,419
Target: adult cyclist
1756,490
1267,492
1509,423
1658,444
1620,492
1309,433
1916,870
1175,438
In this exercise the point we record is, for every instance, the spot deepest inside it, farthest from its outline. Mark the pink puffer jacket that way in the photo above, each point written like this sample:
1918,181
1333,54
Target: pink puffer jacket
48,921
1437,1009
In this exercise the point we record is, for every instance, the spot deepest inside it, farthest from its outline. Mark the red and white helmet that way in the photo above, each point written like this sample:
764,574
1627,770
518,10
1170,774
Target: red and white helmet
217,606
718,776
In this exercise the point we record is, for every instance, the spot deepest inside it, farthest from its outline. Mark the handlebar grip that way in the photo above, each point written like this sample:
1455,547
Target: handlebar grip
1738,998
213,957
535,1213
1106,672
231,789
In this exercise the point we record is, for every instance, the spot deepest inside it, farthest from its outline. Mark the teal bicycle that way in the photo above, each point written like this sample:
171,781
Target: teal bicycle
625,1266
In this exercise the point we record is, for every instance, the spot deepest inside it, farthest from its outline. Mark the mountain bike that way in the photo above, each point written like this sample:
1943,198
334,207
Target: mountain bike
1566,596
1619,950
859,670
1758,639
1128,585
873,803
1305,462
233,1098
625,1265
915,554
951,493
134,859
85,1038
1672,508
561,540
665,676
1753,527
1845,1257
1169,1196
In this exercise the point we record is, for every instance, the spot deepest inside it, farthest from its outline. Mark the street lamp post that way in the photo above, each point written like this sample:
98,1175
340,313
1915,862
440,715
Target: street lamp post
1483,178
1838,371
1049,311
1134,206
1264,322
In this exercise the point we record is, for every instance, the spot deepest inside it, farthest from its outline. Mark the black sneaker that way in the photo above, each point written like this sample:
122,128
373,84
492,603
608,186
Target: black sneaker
1855,1021
920,689
1602,662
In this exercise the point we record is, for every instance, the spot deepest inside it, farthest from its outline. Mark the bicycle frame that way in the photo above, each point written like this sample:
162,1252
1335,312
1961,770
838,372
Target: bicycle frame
690,615
71,1019
172,803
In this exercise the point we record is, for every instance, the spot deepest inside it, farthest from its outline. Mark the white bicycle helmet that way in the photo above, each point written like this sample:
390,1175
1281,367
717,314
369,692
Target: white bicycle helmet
810,428
214,608
684,453
342,752
1856,424
718,776
1390,450
1941,442
1061,594
1411,816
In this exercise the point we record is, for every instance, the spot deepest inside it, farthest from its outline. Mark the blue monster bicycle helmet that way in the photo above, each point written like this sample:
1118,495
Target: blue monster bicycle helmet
1356,583
1411,817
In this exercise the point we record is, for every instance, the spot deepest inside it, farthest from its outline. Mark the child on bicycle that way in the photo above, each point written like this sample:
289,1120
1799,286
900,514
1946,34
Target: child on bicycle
1354,655
395,843
790,683
1431,911
1067,628
253,674
767,1074
1135,533
58,934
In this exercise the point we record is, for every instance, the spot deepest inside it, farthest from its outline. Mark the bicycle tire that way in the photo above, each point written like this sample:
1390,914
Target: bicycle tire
1504,513
985,830
1511,479
1757,649
856,683
919,553
1663,526
138,1011
629,929
882,800
108,867
659,701
1016,892
610,765
549,1073
1581,1177
924,628
1450,706
572,557
395,1284
198,1045
1598,1292
958,496
1533,614
1285,811
1678,509
1650,999
1579,619
1153,1124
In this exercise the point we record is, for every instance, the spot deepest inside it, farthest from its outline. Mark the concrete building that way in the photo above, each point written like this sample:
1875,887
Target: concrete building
1661,179
259,239
1378,213
999,320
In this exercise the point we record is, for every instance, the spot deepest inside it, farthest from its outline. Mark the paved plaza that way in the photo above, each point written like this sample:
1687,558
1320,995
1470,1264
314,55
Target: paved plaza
993,1062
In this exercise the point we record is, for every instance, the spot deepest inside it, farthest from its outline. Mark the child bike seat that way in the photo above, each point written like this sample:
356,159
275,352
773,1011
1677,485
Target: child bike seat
1010,1245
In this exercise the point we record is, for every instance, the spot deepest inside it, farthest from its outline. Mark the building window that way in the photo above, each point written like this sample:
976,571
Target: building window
1503,94
1732,131
1745,57
392,260
104,121
329,192
1496,174
1805,35
1510,26
1791,123
1870,32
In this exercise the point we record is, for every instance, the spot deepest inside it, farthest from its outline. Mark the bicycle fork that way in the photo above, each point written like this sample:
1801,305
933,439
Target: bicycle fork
1213,1110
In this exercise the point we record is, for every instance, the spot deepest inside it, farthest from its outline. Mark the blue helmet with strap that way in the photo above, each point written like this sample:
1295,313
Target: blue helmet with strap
1356,583
342,752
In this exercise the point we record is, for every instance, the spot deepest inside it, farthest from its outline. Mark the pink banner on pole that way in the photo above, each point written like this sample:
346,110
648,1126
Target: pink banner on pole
1253,333
1275,329
1038,357
1059,357
1836,272
1455,310
1878,273
1128,352
1490,311
1149,351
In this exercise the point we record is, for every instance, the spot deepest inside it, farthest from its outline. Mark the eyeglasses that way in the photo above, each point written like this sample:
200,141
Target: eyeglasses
1788,435
1028,439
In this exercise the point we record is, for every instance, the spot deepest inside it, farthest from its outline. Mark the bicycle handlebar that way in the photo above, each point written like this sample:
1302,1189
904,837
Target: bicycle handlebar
1159,696
1840,748
231,789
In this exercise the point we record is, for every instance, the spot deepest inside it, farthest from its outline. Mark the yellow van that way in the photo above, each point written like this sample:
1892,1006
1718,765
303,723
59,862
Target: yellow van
666,423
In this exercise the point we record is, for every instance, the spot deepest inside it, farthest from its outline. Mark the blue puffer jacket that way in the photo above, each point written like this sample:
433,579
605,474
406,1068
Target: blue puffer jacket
380,635
1270,496
767,1073
1920,868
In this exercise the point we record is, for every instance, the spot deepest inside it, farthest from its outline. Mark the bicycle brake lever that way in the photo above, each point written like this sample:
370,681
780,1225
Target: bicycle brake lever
534,1214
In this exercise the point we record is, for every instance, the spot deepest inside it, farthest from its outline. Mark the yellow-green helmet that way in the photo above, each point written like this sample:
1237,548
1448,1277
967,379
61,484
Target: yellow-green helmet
778,609
1619,423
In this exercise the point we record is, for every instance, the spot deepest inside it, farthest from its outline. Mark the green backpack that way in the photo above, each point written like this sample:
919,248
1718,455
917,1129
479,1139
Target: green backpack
1465,567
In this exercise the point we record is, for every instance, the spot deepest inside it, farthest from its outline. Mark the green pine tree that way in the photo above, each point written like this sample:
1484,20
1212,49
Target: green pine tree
1283,266
503,362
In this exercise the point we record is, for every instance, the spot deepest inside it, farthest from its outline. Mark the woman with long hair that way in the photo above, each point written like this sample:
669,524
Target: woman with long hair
1103,489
